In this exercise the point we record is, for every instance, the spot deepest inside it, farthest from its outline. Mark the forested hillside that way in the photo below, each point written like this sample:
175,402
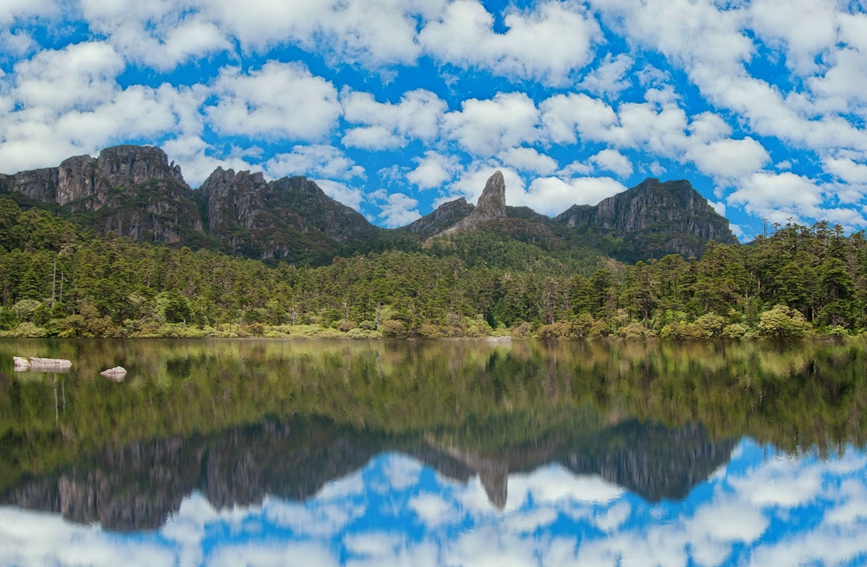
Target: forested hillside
799,281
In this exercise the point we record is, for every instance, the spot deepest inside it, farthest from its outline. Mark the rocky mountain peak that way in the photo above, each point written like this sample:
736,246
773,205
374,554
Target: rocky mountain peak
653,219
491,206
492,203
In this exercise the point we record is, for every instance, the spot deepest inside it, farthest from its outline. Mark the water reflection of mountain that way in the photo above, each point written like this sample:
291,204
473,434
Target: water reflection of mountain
138,486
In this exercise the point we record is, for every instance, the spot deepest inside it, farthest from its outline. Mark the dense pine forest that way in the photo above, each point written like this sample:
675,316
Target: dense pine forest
59,280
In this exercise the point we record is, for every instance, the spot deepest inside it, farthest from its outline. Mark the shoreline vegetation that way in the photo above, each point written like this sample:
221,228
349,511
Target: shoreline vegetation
59,280
472,330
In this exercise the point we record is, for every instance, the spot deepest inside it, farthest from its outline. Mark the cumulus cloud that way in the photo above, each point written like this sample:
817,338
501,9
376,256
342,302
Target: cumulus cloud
68,102
12,10
371,32
781,196
613,161
528,159
729,158
280,100
314,160
609,78
433,170
396,209
484,127
160,35
346,194
386,125
552,195
79,75
548,43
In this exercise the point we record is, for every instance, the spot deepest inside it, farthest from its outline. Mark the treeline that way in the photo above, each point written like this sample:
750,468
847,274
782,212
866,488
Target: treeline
58,280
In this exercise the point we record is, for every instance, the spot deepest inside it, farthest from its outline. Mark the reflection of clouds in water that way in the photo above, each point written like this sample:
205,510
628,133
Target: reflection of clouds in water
780,511
341,487
305,553
401,471
323,520
432,509
39,538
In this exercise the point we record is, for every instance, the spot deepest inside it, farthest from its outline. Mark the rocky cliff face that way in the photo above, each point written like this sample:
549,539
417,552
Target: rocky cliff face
136,192
132,190
283,219
445,216
653,219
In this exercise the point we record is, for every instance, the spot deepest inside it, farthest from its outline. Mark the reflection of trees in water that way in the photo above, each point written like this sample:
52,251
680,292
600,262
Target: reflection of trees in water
795,395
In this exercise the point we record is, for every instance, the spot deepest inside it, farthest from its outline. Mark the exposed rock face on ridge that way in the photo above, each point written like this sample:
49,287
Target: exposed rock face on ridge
136,192
277,219
491,206
133,190
652,219
445,216
90,181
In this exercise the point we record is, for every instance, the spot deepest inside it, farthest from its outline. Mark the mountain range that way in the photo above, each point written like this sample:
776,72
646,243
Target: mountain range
136,192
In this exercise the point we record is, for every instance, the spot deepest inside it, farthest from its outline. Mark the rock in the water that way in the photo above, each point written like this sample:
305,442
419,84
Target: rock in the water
49,363
491,206
21,362
117,373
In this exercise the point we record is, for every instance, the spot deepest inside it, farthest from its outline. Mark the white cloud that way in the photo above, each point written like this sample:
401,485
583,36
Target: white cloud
564,115
719,207
614,161
68,102
609,79
79,75
12,10
781,196
575,168
729,158
402,471
806,28
433,170
386,125
484,127
295,553
552,196
196,159
846,169
431,509
528,159
281,100
349,196
160,35
548,43
397,209
315,160
16,43
370,32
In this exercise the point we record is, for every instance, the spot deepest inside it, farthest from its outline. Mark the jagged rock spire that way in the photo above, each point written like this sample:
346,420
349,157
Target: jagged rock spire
491,206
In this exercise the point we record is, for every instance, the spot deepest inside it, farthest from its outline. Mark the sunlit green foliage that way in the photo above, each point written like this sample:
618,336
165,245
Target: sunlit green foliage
56,280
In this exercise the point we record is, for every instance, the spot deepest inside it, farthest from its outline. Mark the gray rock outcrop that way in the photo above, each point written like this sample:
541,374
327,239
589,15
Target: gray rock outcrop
654,219
491,206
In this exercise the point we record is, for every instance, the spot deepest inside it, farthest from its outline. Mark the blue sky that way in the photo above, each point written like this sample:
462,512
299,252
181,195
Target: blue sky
395,106
761,508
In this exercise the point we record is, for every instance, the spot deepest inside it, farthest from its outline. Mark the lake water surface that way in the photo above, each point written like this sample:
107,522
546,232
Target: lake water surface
259,452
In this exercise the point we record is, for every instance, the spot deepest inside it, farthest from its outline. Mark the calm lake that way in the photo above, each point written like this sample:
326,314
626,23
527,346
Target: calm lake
260,452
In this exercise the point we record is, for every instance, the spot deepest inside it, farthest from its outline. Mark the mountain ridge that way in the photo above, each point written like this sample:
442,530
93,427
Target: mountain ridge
136,192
